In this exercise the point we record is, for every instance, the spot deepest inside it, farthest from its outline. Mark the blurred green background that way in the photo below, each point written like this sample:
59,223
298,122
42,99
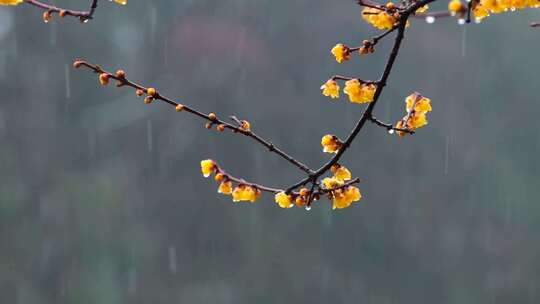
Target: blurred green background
102,200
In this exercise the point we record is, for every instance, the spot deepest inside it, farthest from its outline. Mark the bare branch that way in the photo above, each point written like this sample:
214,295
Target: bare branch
211,118
82,15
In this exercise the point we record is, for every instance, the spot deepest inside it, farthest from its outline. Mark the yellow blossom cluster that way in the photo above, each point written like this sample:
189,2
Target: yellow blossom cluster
357,90
341,52
484,8
331,143
417,107
242,192
342,196
379,18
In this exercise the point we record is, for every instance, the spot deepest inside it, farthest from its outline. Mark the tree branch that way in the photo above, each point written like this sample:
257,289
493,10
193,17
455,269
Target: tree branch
82,15
369,110
211,118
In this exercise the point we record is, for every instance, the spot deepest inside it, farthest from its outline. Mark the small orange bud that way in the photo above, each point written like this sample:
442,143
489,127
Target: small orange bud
151,91
304,191
300,201
221,127
179,107
62,13
139,92
120,74
47,16
148,99
208,125
104,78
245,125
219,177
390,5
77,64
212,116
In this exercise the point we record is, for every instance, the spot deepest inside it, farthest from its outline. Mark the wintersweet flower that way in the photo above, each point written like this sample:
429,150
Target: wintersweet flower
421,103
455,6
340,172
332,182
245,193
379,18
208,167
417,107
284,200
225,187
343,198
330,89
359,92
331,143
10,2
341,52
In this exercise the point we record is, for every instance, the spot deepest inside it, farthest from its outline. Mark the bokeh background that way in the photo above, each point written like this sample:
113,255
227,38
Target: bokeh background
102,201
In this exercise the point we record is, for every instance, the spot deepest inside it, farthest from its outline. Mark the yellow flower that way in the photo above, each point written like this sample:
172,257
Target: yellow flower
340,172
417,120
330,89
10,2
480,12
343,198
284,200
422,9
122,2
359,92
417,107
378,18
331,182
245,193
420,103
455,6
331,143
341,52
225,187
207,167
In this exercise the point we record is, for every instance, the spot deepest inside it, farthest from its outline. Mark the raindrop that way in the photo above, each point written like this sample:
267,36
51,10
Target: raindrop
68,83
54,33
446,155
464,41
430,19
308,208
391,131
172,260
149,139
477,20
461,21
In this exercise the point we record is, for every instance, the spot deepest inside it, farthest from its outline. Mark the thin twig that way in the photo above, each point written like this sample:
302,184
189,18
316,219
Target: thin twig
82,15
122,81
387,126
